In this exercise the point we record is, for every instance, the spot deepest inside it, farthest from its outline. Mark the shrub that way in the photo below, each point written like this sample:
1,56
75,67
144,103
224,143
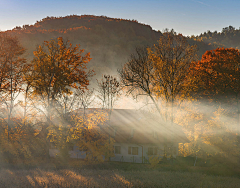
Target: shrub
154,160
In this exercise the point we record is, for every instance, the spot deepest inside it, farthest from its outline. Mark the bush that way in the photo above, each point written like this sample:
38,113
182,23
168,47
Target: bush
154,160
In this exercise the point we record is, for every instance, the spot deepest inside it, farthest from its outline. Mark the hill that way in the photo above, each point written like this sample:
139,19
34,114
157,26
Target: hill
110,41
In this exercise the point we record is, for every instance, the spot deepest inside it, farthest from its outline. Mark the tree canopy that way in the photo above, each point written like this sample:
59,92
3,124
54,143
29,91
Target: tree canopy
160,71
171,59
57,67
216,74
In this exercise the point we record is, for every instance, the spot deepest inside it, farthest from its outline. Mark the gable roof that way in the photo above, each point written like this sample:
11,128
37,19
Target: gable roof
136,126
141,127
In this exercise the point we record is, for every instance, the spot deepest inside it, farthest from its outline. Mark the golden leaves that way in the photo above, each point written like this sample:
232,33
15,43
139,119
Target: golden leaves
58,66
171,59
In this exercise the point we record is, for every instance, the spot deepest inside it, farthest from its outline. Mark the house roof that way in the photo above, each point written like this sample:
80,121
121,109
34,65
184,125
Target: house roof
141,127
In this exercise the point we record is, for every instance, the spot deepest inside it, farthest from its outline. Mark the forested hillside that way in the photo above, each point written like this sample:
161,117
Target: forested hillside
110,41
229,37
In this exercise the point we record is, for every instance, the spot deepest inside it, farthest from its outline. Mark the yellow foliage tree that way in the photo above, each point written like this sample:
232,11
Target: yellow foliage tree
171,59
91,134
19,144
87,131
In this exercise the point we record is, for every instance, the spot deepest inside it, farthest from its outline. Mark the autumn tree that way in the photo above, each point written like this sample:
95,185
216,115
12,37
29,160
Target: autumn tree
171,59
79,99
89,132
211,133
160,71
91,135
216,75
22,145
137,76
68,105
12,66
58,67
108,91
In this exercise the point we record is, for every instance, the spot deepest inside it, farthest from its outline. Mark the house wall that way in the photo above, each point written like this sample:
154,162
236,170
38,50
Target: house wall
76,153
142,156
125,157
53,152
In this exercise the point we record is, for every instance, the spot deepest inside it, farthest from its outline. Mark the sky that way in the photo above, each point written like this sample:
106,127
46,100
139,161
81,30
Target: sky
189,17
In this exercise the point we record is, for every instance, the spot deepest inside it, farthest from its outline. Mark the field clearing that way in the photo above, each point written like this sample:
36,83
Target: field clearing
110,178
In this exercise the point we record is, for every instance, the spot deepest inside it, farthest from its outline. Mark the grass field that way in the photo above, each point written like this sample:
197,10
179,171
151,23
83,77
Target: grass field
76,173
110,178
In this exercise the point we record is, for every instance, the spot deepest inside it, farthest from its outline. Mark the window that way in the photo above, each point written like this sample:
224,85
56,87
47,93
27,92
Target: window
132,150
152,150
117,149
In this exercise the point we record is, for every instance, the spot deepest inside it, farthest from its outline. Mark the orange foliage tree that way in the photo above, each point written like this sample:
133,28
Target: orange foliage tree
57,68
216,77
216,74
11,69
12,66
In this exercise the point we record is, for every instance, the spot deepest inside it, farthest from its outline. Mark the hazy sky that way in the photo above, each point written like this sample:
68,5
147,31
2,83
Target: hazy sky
184,16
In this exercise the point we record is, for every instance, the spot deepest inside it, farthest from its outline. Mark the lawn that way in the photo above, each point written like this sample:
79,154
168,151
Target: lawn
77,173
110,178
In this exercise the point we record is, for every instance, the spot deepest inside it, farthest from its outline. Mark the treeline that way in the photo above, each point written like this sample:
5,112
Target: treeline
86,19
229,37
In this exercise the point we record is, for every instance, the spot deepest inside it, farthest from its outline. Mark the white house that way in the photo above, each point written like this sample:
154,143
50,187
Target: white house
139,135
